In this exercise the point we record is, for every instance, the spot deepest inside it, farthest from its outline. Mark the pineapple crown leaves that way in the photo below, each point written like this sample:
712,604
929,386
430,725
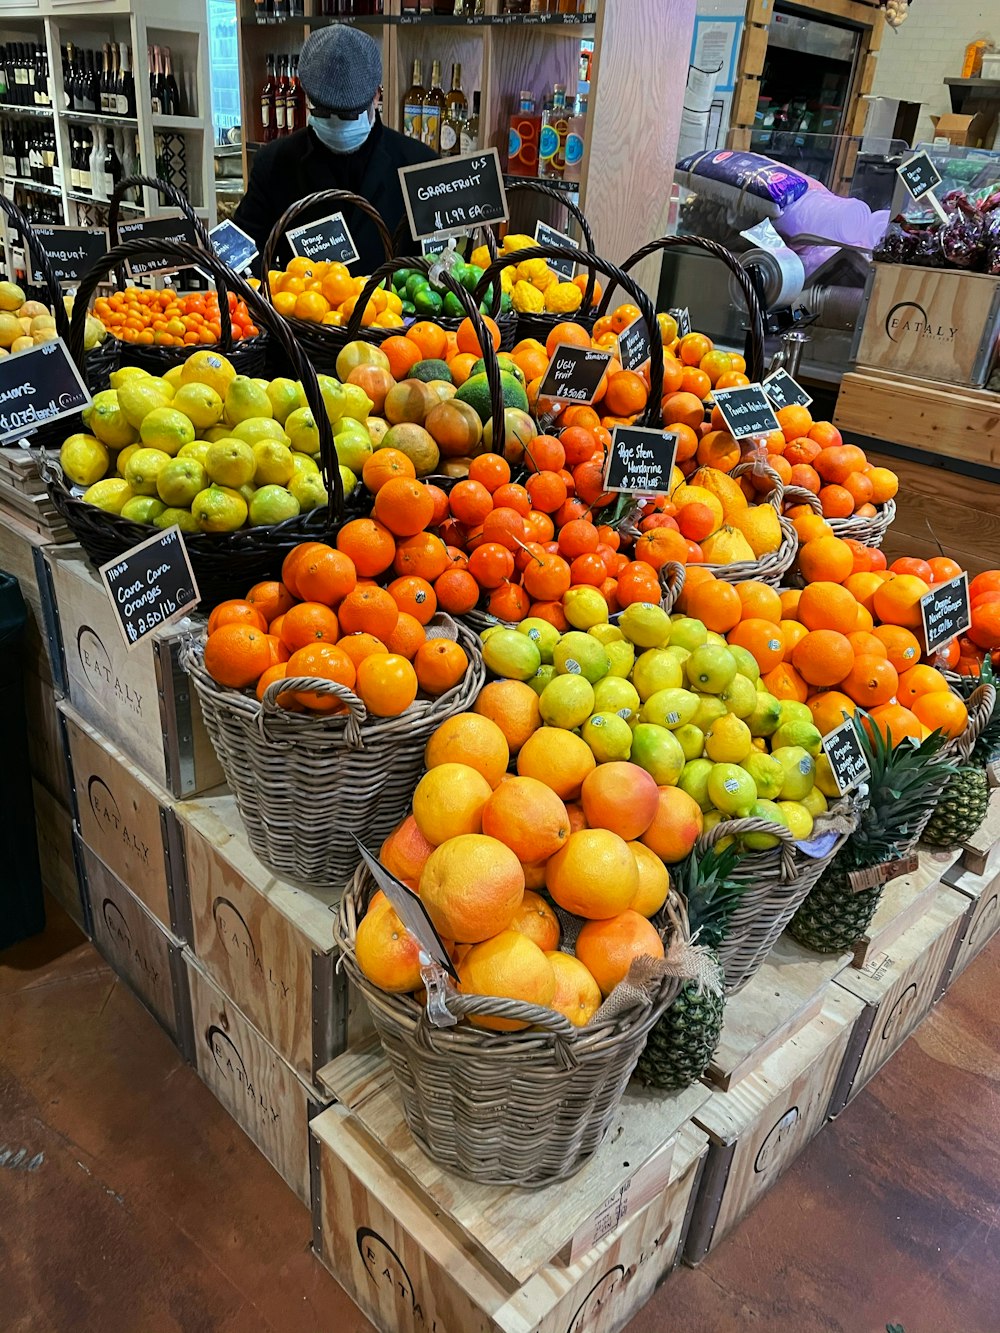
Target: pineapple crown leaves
988,744
711,892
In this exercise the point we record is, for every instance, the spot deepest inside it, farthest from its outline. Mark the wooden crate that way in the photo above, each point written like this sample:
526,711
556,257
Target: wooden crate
786,993
929,323
981,854
418,1248
897,989
758,1128
20,551
145,956
127,820
259,1089
904,901
46,743
138,698
268,945
982,920
56,854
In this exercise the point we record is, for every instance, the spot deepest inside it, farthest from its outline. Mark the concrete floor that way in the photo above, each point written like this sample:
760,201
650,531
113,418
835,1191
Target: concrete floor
138,1206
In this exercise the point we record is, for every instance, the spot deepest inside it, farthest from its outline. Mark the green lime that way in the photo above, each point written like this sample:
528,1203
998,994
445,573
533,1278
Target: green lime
416,282
409,308
470,278
427,302
453,307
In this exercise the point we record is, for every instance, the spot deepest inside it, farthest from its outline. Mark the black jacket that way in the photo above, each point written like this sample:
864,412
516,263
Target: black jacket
289,169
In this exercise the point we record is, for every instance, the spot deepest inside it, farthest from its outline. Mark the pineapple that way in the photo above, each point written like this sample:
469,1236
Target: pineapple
961,810
682,1043
902,784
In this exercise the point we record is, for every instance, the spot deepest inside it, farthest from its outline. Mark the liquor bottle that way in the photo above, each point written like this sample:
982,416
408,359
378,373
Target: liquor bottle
95,163
552,141
295,101
523,137
104,82
433,110
155,80
282,11
470,128
413,104
576,131
171,94
126,83
267,121
456,110
280,93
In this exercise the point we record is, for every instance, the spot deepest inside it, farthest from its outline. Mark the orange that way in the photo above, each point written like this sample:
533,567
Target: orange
811,526
654,881
557,758
805,476
717,605
271,599
440,665
940,710
306,623
826,558
277,671
836,462
449,801
511,967
790,603
457,591
387,684
529,818
467,339
902,647
406,639
827,605
405,851
828,709
621,797
784,682
383,466
759,601
404,505
279,653
865,644
695,381
423,554
897,602
430,338
885,484
716,363
942,570
322,661
326,577
359,646
513,706
794,422
387,953
837,502
872,680
917,681
530,358
860,488
626,393
415,596
676,826
763,639
566,332
536,920
461,365
895,723
658,546
824,434
236,612
718,449
403,354
593,875
578,996
794,632
237,655
687,408
608,948
368,543
823,657
367,610
693,348
864,587
471,887
473,740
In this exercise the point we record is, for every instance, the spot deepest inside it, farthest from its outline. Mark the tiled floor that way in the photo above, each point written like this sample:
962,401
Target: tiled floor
139,1207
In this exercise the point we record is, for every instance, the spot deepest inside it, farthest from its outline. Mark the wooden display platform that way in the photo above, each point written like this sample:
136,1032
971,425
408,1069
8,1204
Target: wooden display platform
982,921
24,497
904,901
981,854
56,854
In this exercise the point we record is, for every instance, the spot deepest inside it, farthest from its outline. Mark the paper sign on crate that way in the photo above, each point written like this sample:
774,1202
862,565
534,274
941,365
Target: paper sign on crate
70,251
783,391
633,345
546,235
151,585
166,227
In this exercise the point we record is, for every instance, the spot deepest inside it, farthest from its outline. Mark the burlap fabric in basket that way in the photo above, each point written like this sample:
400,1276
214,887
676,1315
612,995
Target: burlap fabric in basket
307,784
518,1108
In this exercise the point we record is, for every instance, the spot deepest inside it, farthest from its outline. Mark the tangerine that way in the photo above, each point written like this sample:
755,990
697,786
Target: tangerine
457,591
404,506
608,948
271,598
406,639
763,639
327,577
307,623
385,465
236,612
322,661
368,543
369,610
237,655
941,710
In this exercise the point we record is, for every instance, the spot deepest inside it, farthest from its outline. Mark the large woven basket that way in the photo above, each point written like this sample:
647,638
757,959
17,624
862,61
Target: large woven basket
540,325
871,531
305,785
505,1108
772,567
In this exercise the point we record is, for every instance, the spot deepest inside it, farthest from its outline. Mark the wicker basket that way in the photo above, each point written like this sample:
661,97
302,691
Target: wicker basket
539,326
770,568
513,1108
871,531
248,355
225,564
305,785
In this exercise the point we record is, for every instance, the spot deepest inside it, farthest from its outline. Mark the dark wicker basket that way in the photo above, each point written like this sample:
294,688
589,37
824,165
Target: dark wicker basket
247,354
539,326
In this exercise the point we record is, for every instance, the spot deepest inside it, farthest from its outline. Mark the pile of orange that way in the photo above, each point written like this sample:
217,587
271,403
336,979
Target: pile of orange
169,319
325,293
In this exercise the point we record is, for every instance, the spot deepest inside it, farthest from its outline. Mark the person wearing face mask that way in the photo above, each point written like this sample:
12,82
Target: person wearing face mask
344,147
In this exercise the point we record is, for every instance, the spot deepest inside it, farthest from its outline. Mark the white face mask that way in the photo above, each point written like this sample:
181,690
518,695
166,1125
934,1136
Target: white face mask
342,136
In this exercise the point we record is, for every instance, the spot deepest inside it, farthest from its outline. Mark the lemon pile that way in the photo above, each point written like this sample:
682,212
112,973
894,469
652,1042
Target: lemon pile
675,698
210,450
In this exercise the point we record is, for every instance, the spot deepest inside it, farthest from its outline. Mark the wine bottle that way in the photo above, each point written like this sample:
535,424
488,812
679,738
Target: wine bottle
268,125
92,85
33,74
74,158
155,100
44,92
126,87
95,163
112,166
86,180
104,82
9,150
280,93
470,130
171,94
433,111
295,101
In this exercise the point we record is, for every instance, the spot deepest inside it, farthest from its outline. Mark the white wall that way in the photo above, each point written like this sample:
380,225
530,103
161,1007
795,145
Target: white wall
915,60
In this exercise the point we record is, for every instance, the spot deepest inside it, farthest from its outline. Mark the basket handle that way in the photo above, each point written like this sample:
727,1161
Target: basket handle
737,828
403,236
576,212
264,315
672,577
755,367
776,495
980,703
42,264
653,413
307,205
799,495
270,708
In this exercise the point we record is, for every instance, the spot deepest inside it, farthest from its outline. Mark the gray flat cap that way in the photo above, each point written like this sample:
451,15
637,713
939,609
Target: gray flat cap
340,68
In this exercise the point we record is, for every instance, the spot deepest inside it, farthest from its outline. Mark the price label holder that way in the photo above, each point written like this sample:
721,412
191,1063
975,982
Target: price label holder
783,391
574,374
437,245
633,345
683,317
454,194
640,460
71,251
746,411
170,227
842,747
945,612
151,585
234,247
327,240
40,384
921,177
546,235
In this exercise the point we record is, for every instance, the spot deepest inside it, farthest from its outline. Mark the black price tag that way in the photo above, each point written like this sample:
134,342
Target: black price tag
919,175
326,240
746,411
234,247
945,612
574,374
640,461
633,345
151,585
454,194
437,245
173,227
783,391
410,911
683,317
40,384
72,250
546,235
842,747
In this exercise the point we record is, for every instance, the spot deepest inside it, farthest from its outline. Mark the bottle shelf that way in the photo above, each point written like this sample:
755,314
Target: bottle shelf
190,123
36,187
79,197
18,112
585,20
94,118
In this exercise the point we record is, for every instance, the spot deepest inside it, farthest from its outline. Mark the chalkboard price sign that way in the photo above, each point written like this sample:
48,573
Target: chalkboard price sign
783,391
72,250
640,461
746,411
234,247
919,175
683,317
945,612
546,235
40,384
842,747
410,911
574,374
454,194
151,585
172,227
326,240
633,345
437,245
